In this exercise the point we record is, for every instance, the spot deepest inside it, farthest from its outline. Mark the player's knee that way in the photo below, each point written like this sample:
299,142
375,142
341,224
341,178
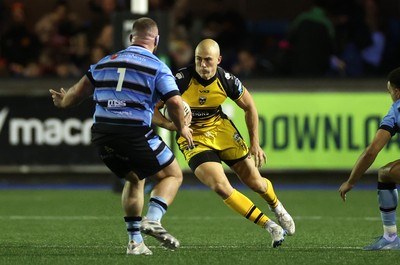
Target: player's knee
176,176
132,177
384,175
179,178
257,186
222,190
175,171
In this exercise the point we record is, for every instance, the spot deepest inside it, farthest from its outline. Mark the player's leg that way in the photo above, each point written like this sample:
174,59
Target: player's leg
212,174
121,156
234,152
132,194
250,175
168,181
132,203
388,177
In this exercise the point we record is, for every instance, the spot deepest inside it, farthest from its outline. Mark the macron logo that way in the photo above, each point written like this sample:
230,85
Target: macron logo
3,116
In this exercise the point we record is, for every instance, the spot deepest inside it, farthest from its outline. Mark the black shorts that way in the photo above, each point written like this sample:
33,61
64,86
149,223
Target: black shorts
140,150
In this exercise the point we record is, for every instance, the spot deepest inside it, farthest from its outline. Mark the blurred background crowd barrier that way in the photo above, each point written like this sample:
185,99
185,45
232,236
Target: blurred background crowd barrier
305,125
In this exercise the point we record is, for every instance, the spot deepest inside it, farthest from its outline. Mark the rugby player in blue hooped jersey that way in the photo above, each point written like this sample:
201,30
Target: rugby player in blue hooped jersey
126,86
205,86
388,175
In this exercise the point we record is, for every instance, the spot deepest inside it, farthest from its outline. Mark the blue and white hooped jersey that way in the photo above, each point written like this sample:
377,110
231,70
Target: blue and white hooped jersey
391,122
128,84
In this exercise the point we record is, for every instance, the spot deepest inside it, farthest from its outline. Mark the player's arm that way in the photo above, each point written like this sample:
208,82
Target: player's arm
246,103
177,114
175,109
160,120
173,101
382,137
74,95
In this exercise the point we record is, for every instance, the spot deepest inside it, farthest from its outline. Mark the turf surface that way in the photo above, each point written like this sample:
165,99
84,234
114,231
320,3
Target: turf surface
56,226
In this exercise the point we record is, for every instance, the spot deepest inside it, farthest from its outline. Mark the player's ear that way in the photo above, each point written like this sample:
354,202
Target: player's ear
219,59
156,40
397,92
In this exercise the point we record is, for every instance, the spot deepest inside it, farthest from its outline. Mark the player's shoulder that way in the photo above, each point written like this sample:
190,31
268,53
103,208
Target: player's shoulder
226,75
183,77
227,78
396,106
184,73
222,73
393,114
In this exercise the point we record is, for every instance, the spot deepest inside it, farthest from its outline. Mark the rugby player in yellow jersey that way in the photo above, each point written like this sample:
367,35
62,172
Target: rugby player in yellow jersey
205,86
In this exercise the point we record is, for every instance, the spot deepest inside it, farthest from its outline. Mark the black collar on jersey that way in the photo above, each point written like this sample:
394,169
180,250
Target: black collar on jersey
138,45
202,81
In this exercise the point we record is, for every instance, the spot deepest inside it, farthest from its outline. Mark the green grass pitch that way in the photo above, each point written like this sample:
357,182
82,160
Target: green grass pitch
80,226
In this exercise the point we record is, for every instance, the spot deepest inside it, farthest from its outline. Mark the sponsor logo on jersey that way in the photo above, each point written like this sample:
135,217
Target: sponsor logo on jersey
114,103
202,113
228,76
179,75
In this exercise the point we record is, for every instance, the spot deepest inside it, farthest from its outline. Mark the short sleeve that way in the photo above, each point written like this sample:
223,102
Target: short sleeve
389,122
232,85
165,83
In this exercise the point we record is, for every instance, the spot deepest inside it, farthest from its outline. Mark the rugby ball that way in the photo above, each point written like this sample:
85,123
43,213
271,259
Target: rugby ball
186,109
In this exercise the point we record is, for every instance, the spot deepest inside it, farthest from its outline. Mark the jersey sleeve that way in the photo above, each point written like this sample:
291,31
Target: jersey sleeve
183,77
90,76
232,85
92,69
389,122
165,84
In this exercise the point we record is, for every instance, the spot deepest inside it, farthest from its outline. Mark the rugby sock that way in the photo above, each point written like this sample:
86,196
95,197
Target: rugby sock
270,195
388,199
133,228
270,224
157,208
245,207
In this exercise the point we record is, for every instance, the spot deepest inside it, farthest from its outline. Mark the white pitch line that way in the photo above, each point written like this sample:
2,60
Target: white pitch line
241,247
198,247
307,218
191,218
44,217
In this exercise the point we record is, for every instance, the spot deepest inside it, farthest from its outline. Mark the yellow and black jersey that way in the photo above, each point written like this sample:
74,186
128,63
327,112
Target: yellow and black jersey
205,97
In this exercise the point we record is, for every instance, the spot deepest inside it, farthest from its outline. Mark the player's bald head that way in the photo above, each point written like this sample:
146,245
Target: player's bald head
145,33
144,28
208,46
